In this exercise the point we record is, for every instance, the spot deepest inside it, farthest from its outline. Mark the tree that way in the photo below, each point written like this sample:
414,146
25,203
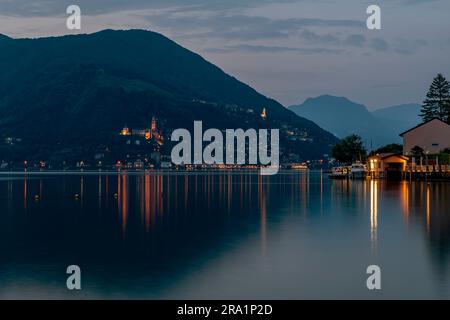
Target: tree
417,152
349,149
437,103
390,148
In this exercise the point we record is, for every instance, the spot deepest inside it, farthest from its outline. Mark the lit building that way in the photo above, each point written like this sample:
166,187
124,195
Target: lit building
139,132
264,114
125,132
432,136
149,134
386,165
153,124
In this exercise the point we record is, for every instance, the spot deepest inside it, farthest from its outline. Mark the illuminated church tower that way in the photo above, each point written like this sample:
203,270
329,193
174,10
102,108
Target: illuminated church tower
153,124
125,131
264,114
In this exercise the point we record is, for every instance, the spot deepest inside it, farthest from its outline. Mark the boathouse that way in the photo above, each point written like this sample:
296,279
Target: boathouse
387,165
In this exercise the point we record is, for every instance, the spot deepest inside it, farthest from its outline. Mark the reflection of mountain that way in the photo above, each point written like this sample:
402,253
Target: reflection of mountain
76,92
148,230
343,117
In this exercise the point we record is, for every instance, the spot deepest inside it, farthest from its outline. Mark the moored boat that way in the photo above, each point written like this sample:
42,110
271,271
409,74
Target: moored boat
299,166
358,170
339,173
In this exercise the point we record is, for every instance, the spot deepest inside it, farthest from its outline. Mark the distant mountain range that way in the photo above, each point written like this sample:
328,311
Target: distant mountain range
342,117
408,114
74,94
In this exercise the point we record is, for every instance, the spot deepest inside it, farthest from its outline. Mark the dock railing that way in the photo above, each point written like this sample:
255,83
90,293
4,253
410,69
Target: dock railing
427,168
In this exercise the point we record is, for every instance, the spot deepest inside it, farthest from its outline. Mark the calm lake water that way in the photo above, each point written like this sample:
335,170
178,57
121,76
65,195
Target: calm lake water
236,236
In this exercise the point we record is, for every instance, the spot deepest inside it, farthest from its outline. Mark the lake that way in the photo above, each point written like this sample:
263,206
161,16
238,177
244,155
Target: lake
296,235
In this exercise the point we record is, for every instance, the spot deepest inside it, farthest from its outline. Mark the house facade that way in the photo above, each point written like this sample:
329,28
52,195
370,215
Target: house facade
432,136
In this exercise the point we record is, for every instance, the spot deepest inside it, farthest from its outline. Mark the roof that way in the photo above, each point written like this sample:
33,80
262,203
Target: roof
383,156
422,124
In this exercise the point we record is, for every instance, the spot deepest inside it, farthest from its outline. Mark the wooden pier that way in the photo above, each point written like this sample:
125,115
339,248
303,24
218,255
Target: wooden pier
426,172
398,167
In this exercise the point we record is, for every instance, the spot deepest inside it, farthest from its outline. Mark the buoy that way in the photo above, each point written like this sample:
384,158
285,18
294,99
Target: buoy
36,197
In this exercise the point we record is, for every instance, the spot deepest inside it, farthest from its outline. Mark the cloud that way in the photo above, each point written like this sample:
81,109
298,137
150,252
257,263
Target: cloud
272,49
205,24
412,2
319,38
355,40
408,46
95,7
378,44
399,45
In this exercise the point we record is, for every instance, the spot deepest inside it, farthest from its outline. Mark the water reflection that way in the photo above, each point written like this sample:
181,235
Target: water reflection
428,210
405,201
373,211
122,186
25,193
164,229
263,213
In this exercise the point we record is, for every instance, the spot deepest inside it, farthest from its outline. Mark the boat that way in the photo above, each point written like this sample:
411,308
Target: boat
339,173
358,170
299,166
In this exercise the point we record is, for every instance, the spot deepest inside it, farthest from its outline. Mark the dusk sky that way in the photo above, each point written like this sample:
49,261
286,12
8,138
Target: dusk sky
286,49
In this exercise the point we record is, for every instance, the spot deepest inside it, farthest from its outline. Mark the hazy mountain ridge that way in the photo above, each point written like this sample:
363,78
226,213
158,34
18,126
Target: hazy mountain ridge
407,113
342,117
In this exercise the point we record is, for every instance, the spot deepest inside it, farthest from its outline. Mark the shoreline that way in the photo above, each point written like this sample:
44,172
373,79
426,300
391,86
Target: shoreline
144,172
